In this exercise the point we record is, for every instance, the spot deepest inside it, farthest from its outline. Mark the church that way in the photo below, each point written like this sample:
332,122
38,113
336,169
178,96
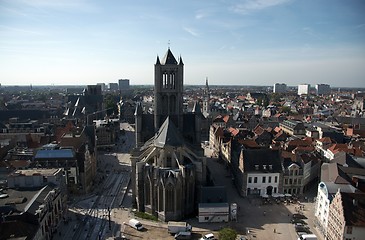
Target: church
168,164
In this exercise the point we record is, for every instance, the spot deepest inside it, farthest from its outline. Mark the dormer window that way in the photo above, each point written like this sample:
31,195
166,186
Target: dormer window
270,167
256,167
264,166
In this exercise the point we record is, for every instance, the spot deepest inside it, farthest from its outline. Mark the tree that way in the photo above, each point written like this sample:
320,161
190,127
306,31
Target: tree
111,103
227,234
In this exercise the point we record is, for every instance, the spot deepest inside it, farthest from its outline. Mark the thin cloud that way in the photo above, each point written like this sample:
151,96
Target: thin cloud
191,31
248,6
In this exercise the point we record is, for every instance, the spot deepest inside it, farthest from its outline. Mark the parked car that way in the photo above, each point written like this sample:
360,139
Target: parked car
297,220
208,236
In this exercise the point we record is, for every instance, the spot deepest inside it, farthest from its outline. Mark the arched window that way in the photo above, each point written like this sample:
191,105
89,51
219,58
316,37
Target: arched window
160,198
147,190
170,198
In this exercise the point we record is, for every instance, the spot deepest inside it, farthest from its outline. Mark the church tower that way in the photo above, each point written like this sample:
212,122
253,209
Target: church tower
206,98
168,93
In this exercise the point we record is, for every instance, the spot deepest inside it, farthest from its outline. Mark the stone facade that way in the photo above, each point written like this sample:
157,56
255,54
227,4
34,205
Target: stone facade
168,167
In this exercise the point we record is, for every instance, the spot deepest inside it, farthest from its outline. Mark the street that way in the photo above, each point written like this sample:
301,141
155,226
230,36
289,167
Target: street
100,214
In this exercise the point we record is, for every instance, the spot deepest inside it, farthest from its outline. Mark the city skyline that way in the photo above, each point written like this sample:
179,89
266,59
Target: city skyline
231,42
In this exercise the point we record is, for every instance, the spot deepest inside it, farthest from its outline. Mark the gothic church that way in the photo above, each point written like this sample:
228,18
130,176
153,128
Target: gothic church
168,165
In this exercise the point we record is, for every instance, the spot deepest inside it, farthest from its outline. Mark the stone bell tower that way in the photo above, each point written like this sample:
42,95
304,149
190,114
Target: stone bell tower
169,86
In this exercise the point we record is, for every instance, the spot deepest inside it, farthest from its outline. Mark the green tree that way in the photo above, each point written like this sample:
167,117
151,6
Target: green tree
227,234
286,109
111,103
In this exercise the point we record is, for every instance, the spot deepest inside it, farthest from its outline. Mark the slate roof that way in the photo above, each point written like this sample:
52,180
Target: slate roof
354,208
168,134
262,157
168,58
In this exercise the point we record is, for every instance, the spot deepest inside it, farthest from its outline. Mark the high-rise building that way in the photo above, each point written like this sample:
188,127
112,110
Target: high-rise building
303,89
102,85
323,89
123,84
113,86
279,88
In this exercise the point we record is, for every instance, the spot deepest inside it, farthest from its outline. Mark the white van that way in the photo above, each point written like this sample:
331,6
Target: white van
308,237
134,223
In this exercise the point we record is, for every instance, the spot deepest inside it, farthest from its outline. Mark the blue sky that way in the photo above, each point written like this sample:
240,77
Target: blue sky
242,42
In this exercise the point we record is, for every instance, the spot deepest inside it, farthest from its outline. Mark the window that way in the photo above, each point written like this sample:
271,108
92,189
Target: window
206,218
264,166
263,179
270,167
299,181
274,189
349,230
249,179
286,180
255,179
295,181
269,179
256,167
290,181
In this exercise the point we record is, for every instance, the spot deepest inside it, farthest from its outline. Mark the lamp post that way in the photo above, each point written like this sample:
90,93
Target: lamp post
109,210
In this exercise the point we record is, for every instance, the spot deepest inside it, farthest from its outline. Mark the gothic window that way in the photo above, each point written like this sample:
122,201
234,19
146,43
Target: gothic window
164,104
148,192
160,198
170,198
168,162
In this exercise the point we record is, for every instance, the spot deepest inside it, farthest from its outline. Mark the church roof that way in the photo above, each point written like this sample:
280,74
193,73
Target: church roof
169,58
196,108
168,134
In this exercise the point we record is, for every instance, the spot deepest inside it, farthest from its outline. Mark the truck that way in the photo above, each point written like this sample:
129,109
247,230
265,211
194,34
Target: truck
134,223
176,227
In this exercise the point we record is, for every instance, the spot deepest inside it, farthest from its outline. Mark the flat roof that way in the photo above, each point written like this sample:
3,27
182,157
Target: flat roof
45,172
55,153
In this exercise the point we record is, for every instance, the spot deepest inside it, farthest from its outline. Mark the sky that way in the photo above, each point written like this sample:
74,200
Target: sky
230,42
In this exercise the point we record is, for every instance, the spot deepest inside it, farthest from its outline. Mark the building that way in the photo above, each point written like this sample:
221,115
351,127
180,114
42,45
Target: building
123,84
102,85
84,107
258,172
31,178
292,177
168,167
346,219
36,205
279,88
213,206
303,89
107,132
293,127
323,89
113,86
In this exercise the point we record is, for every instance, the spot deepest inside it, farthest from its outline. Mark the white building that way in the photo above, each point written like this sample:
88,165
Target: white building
279,88
303,89
323,89
213,212
261,183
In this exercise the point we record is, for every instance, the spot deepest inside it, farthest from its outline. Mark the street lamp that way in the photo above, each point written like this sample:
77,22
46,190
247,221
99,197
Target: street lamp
109,210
